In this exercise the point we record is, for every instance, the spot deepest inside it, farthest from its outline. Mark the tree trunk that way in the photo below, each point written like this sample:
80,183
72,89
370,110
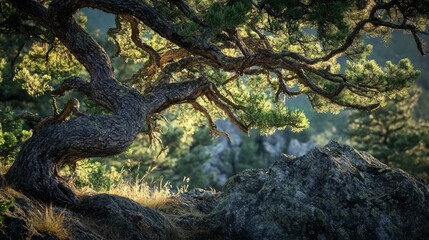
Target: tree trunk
36,167
35,170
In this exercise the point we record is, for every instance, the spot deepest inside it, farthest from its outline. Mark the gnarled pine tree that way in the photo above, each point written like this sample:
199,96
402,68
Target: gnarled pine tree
239,58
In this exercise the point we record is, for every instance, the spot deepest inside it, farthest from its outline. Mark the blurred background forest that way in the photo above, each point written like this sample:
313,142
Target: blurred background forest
397,134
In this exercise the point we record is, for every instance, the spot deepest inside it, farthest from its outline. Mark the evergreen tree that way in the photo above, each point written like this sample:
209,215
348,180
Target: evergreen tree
394,136
197,60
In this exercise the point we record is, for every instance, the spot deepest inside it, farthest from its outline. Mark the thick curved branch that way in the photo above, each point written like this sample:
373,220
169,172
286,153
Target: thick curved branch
197,46
164,96
60,11
151,18
73,83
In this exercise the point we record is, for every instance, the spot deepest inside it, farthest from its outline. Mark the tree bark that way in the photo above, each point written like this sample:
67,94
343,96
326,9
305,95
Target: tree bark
35,170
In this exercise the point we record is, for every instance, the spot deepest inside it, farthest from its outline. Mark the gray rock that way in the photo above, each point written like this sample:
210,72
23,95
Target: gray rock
201,200
335,192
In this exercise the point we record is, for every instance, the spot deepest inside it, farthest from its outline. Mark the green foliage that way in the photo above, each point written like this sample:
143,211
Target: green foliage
261,109
93,174
385,83
43,66
222,17
12,135
2,65
328,17
389,79
267,116
400,46
4,206
392,135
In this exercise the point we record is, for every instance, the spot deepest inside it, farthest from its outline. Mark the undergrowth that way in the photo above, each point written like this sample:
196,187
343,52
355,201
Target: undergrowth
4,206
47,220
91,178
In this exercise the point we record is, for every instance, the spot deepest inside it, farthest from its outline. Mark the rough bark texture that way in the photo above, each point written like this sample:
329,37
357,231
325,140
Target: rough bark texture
335,192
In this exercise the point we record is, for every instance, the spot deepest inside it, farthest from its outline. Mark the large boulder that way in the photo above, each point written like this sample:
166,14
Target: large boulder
335,192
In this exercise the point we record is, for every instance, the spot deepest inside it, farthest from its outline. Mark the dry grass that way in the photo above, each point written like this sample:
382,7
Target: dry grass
42,219
7,191
4,168
152,195
47,220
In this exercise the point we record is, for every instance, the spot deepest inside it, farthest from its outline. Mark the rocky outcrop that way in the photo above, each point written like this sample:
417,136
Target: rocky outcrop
335,192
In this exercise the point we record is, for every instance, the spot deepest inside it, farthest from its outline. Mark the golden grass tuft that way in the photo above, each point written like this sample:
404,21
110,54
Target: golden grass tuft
47,220
4,168
152,195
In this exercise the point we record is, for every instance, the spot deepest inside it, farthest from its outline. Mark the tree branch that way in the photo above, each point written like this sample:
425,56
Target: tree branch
228,112
154,58
73,83
213,127
408,27
233,35
166,95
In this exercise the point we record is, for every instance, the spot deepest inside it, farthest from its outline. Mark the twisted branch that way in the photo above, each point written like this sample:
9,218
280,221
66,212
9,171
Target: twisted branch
213,127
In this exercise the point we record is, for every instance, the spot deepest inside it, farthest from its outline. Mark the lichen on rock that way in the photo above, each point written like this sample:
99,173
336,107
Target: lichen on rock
335,192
